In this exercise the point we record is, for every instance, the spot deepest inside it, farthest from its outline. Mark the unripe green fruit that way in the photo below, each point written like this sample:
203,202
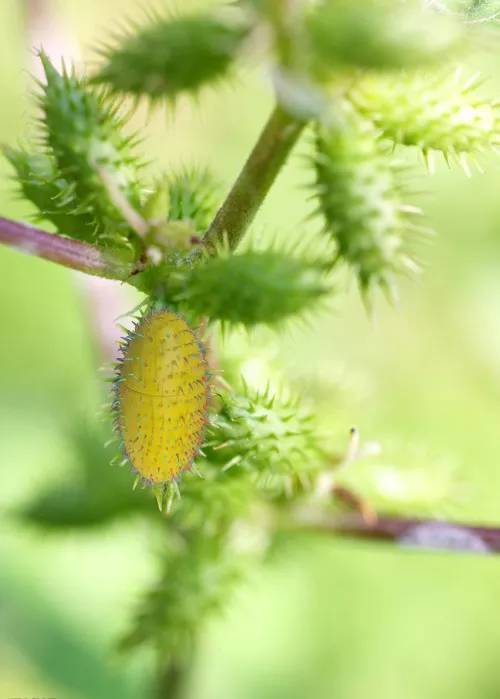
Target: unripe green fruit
361,196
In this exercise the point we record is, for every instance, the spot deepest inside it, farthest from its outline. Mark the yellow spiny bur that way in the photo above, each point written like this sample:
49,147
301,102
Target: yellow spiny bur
162,397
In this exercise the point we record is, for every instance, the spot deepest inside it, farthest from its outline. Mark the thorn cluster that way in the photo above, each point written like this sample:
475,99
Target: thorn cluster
432,112
172,55
361,195
254,286
271,437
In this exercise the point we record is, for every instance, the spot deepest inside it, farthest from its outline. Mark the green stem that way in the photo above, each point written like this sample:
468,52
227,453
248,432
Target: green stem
254,181
64,251
232,220
171,680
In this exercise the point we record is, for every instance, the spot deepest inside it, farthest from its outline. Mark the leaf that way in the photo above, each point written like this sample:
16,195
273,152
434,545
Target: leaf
96,494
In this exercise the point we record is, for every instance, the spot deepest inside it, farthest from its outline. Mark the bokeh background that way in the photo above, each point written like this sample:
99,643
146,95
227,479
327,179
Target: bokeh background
331,618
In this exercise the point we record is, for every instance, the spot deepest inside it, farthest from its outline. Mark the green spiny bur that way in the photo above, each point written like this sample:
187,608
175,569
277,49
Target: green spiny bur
361,195
83,132
41,183
193,197
254,287
378,34
198,574
473,11
177,211
265,435
442,113
172,55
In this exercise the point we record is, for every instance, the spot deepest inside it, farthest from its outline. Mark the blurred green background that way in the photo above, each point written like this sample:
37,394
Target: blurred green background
331,619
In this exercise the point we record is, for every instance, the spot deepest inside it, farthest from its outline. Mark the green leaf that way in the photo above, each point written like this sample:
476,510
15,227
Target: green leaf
172,55
94,493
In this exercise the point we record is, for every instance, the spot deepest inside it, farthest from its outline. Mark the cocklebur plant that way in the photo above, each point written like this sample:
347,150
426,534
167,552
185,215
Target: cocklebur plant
361,83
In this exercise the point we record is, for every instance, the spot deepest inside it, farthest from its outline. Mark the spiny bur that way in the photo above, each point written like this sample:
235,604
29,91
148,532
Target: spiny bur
361,194
172,55
271,437
198,575
41,183
82,131
378,34
216,499
437,112
193,197
253,286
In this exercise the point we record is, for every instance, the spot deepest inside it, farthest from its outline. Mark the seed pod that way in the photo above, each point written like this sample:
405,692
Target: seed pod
254,286
267,435
82,132
445,113
379,34
162,397
172,55
41,183
361,195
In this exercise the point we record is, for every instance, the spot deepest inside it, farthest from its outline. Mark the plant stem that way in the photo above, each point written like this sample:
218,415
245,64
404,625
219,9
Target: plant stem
233,218
254,181
171,679
417,533
65,251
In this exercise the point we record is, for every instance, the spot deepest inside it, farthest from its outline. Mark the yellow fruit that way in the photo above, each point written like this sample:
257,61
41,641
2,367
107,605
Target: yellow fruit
162,397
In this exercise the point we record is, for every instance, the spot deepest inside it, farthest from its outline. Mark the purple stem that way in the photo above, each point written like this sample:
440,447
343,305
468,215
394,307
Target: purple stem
409,532
65,251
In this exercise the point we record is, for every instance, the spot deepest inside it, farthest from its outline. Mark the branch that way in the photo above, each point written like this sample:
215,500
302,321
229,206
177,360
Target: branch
406,532
65,251
258,174
233,218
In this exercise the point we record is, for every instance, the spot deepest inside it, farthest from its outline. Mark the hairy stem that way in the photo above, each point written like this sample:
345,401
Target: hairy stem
254,181
65,251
